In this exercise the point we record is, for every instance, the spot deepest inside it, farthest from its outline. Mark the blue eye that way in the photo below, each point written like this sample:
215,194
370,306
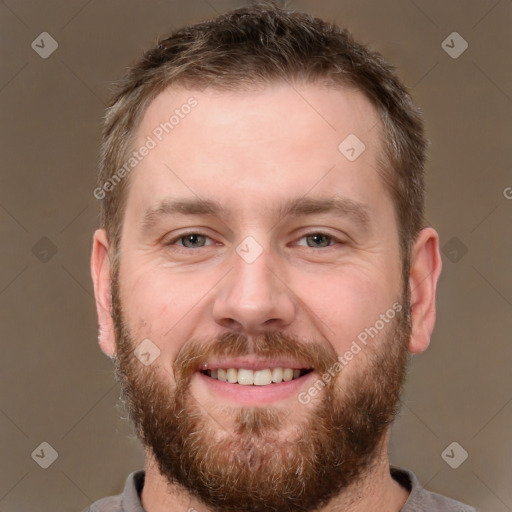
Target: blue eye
318,240
195,240
191,240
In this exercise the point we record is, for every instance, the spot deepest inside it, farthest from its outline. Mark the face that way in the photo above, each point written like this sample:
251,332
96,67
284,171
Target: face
263,265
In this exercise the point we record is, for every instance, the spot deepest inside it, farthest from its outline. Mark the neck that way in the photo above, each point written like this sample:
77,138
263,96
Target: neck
376,490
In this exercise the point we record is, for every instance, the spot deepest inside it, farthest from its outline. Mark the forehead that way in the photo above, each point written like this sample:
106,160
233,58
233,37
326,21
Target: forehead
268,143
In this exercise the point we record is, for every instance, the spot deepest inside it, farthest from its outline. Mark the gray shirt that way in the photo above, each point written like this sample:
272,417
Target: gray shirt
420,500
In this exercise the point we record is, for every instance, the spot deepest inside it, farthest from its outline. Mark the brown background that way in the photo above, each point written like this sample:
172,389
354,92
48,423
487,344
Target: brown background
57,386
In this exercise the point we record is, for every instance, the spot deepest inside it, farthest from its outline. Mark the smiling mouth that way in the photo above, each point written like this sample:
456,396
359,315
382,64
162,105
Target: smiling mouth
263,377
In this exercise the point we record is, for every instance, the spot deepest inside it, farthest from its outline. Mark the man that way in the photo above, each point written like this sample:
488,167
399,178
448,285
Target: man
263,268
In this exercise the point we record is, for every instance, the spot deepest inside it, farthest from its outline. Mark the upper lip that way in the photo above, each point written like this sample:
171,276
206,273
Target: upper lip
254,363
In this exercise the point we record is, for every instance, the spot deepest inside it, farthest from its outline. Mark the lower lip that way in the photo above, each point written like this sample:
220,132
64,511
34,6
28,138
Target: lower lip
249,395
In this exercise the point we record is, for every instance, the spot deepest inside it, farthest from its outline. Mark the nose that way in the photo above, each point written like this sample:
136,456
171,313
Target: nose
253,297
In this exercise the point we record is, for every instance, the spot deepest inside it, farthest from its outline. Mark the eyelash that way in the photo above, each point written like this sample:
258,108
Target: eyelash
184,235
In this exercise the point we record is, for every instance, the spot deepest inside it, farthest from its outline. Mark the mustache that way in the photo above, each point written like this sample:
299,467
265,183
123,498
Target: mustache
320,356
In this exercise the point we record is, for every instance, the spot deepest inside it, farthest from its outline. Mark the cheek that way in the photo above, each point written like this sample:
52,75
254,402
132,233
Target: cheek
156,303
346,302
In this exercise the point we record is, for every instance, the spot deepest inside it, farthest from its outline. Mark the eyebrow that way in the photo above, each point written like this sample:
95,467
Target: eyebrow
341,206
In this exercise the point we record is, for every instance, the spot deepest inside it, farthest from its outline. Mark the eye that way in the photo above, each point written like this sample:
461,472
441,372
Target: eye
195,240
190,240
318,239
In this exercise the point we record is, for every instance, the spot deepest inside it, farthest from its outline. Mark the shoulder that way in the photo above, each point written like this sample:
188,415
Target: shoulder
127,501
421,500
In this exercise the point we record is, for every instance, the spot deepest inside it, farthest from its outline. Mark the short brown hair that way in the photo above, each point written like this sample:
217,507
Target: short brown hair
263,44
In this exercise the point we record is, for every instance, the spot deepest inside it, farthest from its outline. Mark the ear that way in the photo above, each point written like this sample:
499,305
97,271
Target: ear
100,271
425,270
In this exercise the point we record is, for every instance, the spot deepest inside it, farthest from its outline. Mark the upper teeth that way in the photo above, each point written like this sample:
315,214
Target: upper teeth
254,377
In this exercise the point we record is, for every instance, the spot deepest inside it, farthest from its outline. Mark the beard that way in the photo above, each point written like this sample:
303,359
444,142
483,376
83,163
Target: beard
250,459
